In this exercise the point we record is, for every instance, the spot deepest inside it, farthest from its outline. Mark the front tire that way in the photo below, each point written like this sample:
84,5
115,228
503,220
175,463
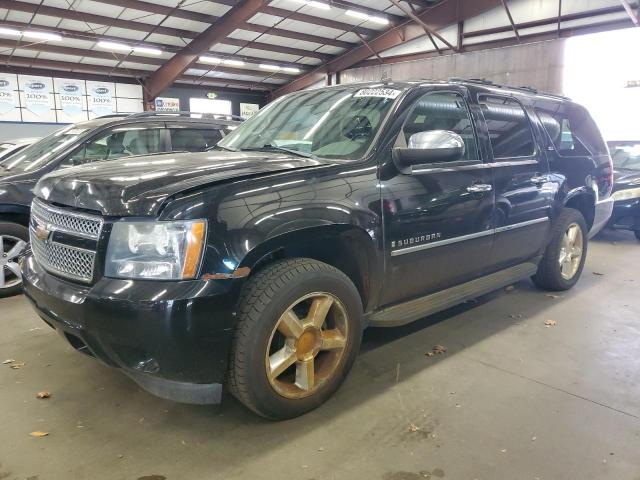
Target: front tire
298,333
13,240
564,257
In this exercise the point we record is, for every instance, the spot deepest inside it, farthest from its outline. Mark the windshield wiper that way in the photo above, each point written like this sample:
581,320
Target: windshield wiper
273,148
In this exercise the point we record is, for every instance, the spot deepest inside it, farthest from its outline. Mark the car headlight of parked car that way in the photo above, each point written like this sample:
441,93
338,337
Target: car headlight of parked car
627,194
155,250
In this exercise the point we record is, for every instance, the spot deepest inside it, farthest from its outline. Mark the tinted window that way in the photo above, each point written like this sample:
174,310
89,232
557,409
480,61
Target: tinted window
509,127
442,111
194,139
571,129
117,143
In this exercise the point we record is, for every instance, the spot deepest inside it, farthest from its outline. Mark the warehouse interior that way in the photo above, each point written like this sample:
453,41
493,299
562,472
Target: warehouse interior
517,383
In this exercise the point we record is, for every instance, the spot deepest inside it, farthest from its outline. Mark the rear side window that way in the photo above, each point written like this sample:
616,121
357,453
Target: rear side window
571,129
509,127
194,139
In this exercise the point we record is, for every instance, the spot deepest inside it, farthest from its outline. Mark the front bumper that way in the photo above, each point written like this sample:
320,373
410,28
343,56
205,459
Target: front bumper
172,338
626,215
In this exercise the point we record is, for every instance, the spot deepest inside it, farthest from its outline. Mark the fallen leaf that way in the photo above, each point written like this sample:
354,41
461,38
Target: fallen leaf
43,395
533,439
321,449
504,450
551,295
39,434
550,323
439,349
10,360
429,354
34,329
598,273
17,366
413,428
509,289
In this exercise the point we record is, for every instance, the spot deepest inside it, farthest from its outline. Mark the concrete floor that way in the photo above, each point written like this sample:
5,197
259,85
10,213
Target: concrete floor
511,399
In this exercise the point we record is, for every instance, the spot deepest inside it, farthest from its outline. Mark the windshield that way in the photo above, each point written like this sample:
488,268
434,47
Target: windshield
41,152
626,157
336,123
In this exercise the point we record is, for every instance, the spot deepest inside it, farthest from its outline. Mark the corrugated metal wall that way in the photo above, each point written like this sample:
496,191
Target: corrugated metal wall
539,65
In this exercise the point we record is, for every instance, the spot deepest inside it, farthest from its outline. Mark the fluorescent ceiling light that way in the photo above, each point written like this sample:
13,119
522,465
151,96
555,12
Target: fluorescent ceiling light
273,68
366,16
9,31
237,63
148,50
114,46
42,35
315,4
213,60
291,69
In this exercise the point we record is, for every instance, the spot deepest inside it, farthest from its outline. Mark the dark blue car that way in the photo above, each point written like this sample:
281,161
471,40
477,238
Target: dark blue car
626,190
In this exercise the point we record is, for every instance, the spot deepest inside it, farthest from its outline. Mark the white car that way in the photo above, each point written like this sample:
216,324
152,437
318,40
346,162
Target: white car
10,147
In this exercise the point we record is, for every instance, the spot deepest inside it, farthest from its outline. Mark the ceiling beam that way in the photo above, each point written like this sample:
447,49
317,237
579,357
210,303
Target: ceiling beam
176,66
7,61
513,24
634,15
443,14
86,36
428,30
80,53
85,17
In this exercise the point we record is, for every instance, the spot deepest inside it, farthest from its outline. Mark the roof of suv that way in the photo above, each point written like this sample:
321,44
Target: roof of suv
476,83
186,117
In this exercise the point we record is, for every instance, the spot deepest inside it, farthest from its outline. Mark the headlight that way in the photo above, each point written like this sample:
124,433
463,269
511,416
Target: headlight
627,194
155,250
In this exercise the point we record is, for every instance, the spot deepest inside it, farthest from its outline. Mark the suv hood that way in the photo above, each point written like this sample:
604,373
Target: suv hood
138,186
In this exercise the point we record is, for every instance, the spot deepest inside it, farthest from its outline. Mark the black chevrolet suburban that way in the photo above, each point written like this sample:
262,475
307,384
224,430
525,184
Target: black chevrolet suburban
102,139
259,264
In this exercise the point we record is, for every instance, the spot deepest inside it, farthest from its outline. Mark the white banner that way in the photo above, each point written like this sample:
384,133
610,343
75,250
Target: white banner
167,104
71,102
37,96
8,97
248,110
101,98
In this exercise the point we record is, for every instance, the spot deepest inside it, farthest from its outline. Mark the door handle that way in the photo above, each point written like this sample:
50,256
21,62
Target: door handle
479,188
539,179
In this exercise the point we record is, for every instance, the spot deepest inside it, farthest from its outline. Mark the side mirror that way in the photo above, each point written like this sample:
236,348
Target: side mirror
435,146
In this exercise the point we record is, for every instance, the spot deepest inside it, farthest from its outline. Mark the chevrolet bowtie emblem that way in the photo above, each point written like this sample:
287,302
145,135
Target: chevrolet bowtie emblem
43,233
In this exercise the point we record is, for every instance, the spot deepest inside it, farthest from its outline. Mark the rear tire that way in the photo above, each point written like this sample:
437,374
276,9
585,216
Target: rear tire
298,334
13,239
564,258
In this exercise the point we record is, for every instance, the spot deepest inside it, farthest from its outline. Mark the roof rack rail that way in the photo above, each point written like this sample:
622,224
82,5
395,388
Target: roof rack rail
151,113
483,81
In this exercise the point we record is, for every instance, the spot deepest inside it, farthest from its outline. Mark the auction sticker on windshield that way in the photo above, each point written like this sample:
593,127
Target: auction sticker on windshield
378,92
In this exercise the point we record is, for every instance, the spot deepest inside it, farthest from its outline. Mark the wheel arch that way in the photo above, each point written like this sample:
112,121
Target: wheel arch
348,248
15,214
583,200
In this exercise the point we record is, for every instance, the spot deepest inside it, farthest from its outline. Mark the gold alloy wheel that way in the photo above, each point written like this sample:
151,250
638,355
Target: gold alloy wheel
571,251
307,345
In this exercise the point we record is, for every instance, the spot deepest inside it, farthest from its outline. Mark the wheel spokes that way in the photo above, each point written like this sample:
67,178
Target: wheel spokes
305,374
14,268
16,250
280,361
319,311
290,325
2,281
572,233
332,339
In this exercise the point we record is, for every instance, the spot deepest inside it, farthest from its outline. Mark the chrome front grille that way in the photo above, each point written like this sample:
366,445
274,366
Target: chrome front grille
88,226
56,255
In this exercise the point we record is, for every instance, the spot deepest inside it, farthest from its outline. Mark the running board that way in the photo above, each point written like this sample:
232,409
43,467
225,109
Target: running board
436,302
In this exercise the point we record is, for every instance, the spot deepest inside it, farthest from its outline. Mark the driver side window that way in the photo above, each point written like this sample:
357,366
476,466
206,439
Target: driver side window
442,111
116,144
